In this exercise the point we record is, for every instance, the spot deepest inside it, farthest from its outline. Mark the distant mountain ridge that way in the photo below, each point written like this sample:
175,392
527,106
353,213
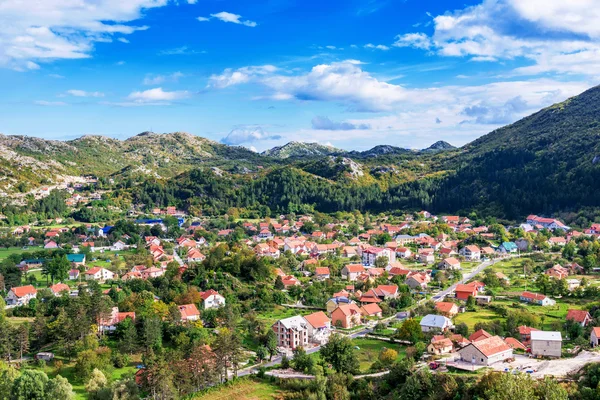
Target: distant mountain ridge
301,149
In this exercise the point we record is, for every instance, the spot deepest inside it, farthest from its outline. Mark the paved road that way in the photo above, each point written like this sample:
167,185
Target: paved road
439,296
177,258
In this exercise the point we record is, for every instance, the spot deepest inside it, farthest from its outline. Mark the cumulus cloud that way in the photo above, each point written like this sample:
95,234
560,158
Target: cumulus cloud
496,115
157,95
326,124
416,40
58,29
554,35
83,93
343,82
229,17
180,51
247,134
123,40
230,77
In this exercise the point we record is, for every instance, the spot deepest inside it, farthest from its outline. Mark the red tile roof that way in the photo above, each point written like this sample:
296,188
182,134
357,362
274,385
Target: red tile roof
318,319
491,345
21,291
578,315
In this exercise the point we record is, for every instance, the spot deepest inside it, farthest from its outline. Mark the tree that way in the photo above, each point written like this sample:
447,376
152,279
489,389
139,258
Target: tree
510,386
152,332
543,283
23,339
262,353
58,268
31,385
127,335
59,388
381,262
97,382
8,375
470,303
462,329
550,389
302,361
339,352
410,331
279,283
388,356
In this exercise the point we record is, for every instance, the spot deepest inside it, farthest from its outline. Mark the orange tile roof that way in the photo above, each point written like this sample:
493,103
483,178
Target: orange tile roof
21,291
370,309
479,335
491,345
318,319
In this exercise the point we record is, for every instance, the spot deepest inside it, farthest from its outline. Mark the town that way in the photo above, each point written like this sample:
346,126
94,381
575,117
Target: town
171,305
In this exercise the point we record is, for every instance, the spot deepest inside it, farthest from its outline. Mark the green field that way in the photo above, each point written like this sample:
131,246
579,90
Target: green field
5,253
242,389
471,318
369,349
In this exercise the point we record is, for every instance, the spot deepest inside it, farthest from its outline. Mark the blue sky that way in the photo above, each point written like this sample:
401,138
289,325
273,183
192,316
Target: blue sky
349,73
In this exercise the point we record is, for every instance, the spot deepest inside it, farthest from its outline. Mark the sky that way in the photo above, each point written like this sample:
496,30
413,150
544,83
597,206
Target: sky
348,73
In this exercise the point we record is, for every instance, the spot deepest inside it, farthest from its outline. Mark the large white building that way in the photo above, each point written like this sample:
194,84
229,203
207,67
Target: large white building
291,332
546,343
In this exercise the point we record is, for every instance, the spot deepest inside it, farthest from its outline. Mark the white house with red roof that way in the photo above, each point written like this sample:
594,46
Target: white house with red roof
110,323
99,274
20,295
470,253
373,253
212,299
58,288
189,312
319,327
536,298
548,223
582,317
352,271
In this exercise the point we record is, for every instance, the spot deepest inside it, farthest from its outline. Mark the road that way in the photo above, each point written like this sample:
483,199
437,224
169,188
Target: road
439,296
177,258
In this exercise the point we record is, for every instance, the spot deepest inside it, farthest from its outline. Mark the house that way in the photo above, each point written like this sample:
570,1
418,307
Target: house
319,327
557,241
334,302
416,282
189,312
98,274
291,332
289,281
486,351
20,295
508,248
514,344
470,253
450,263
74,274
594,336
373,253
322,273
371,310
436,323
548,223
525,333
51,245
76,259
522,244
403,252
487,251
194,255
352,271
447,309
479,335
462,291
536,298
58,288
119,246
580,316
557,271
546,343
439,347
426,256
346,316
152,272
212,299
110,323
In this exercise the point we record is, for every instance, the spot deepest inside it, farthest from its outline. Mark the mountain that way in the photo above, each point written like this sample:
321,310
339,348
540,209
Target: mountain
27,162
380,150
440,145
301,149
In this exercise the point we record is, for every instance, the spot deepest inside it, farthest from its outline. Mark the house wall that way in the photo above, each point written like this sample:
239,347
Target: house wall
550,348
593,339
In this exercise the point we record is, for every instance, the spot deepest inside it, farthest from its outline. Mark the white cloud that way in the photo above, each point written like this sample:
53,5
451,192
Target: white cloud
151,79
56,76
230,77
31,65
554,35
123,40
157,95
192,1
63,29
376,47
417,40
49,103
83,93
229,17
247,134
180,51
